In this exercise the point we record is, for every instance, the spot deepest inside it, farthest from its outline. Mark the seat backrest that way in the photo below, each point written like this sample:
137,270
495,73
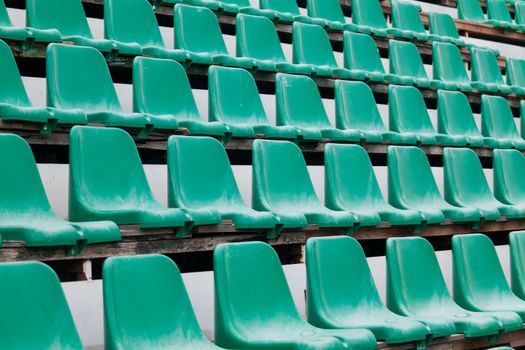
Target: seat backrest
515,71
355,107
131,21
470,10
496,118
350,181
477,272
146,304
447,63
414,278
509,167
464,179
5,21
284,6
325,9
311,45
200,174
66,16
519,12
332,286
257,38
405,59
407,110
360,52
78,77
197,30
35,314
406,16
291,92
517,263
12,90
485,67
105,172
161,87
442,24
368,13
410,179
280,176
498,10
455,115
233,97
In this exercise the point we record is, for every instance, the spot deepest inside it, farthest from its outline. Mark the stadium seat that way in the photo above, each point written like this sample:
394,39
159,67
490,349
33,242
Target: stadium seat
351,185
66,17
311,47
519,14
132,23
197,31
234,100
515,74
107,181
409,117
486,74
448,66
256,38
456,120
347,297
35,314
416,288
443,25
163,318
411,185
466,186
287,11
497,11
254,306
497,122
517,266
406,16
299,105
470,10
405,60
330,12
15,104
231,6
201,182
356,110
161,88
281,184
79,82
479,281
368,17
508,168
26,213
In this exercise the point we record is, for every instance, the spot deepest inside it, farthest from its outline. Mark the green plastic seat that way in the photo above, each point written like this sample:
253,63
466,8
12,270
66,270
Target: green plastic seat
361,56
515,74
257,38
27,215
409,116
470,10
161,88
508,184
310,118
455,119
347,297
234,100
147,306
448,66
15,104
254,307
479,281
197,31
486,74
406,16
405,60
466,186
498,11
356,110
517,267
497,122
35,314
231,6
68,18
201,182
368,17
416,288
107,181
330,12
282,185
133,25
351,185
287,11
443,25
311,47
519,14
78,82
411,185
